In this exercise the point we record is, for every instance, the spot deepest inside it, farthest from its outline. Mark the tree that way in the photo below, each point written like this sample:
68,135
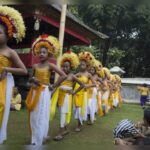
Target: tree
128,26
78,49
114,57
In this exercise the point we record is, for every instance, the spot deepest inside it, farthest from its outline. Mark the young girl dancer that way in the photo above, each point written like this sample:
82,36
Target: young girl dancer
94,95
80,99
11,26
39,97
118,82
105,91
69,61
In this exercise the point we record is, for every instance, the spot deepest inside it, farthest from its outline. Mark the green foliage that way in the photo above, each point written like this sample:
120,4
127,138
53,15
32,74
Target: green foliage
74,10
78,49
128,26
114,57
23,50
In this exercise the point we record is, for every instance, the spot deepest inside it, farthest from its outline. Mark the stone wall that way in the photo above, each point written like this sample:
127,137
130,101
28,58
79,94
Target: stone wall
129,90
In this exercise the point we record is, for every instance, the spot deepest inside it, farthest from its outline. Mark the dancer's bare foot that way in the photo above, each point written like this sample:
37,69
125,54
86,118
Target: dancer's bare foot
46,139
90,123
65,132
77,129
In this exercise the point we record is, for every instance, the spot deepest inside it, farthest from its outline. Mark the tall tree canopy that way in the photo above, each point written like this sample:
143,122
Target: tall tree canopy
128,27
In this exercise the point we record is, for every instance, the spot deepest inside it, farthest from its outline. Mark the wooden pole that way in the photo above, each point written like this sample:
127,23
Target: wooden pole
61,33
62,27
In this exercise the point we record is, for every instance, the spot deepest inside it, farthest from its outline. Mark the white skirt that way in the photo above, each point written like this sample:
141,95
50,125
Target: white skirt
64,110
92,105
105,96
85,106
77,110
39,118
115,101
77,114
65,107
9,89
95,100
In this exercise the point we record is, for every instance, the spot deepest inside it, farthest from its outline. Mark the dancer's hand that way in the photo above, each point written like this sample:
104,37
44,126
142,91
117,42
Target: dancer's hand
51,88
70,92
36,81
53,91
85,87
33,82
33,85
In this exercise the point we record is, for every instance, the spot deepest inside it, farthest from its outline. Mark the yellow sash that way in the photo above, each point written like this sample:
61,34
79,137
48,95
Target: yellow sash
31,104
83,99
110,100
81,95
54,100
4,62
63,91
58,96
100,111
78,98
2,98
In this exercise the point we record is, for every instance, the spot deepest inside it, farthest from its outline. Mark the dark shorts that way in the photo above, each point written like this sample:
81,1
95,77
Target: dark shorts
143,100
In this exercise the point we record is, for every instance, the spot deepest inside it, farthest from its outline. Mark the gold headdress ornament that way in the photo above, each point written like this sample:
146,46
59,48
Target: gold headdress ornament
12,20
101,73
97,64
87,57
99,68
48,41
117,77
112,77
106,72
72,58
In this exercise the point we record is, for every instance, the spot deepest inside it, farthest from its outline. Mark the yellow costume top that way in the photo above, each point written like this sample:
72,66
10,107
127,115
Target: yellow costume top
64,87
143,91
90,91
4,62
63,90
105,86
78,99
43,75
58,97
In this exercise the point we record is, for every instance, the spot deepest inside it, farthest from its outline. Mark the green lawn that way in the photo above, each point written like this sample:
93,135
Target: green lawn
98,134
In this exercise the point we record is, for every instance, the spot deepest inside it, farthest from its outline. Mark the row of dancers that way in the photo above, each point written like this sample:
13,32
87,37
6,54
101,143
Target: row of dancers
83,87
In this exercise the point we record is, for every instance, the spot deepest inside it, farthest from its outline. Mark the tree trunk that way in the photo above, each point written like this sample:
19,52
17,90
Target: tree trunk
105,50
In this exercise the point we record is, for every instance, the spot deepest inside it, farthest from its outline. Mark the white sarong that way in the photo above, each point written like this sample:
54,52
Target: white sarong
39,118
92,105
64,109
9,89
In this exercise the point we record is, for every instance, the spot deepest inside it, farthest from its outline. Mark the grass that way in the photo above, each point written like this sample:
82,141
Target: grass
98,134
